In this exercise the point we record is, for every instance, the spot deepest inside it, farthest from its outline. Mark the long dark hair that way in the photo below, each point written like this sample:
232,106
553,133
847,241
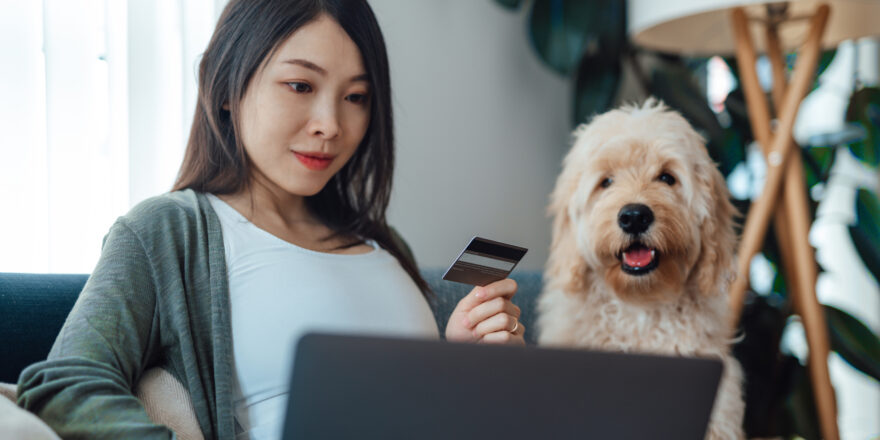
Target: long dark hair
354,201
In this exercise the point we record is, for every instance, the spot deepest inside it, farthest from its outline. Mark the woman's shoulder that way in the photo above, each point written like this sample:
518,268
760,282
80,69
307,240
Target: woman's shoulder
168,212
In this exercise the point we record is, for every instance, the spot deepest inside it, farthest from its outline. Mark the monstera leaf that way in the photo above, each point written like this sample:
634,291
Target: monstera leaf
565,31
854,342
866,232
595,85
818,161
584,40
864,112
673,81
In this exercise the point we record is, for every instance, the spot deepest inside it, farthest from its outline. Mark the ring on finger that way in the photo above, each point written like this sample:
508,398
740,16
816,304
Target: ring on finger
515,325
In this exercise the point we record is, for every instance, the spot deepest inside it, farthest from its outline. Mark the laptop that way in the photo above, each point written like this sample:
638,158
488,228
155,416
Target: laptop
356,387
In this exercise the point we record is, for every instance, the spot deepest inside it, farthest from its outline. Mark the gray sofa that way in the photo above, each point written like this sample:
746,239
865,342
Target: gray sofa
33,308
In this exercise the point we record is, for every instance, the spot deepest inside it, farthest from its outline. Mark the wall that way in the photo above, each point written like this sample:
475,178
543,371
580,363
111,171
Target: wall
481,128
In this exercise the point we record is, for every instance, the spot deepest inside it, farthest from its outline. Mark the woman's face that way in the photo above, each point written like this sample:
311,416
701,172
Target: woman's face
306,109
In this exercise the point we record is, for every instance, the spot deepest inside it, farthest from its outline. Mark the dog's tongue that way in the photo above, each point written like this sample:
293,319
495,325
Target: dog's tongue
637,257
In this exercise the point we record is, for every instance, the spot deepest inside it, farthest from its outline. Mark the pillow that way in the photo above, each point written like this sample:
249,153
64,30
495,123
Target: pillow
168,403
17,423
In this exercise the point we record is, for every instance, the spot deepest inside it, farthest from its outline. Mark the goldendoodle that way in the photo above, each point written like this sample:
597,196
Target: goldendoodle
643,248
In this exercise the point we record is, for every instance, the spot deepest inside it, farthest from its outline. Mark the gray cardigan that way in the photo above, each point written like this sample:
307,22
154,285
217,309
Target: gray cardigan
158,297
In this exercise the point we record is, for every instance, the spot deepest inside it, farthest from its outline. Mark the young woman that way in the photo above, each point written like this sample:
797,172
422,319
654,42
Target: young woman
276,226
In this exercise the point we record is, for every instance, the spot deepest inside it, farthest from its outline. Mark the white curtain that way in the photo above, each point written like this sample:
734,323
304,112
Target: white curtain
96,99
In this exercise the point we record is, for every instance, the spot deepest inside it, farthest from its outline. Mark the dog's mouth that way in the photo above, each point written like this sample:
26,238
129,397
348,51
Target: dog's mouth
639,259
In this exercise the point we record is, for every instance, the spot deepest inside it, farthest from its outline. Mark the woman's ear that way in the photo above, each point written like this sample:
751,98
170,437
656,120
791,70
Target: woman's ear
714,269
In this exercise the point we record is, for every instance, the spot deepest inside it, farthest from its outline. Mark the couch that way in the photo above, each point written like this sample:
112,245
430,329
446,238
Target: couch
33,308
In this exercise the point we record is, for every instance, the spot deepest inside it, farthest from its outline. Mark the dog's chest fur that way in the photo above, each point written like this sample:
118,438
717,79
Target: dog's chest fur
602,321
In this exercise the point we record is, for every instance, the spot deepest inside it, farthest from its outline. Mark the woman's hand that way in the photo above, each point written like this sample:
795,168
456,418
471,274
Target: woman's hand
487,315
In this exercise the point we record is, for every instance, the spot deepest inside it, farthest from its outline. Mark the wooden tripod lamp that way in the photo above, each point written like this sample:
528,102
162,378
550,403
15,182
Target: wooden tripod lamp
722,27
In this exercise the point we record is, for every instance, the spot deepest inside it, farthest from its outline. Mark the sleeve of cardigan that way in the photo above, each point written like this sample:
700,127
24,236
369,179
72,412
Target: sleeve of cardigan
84,388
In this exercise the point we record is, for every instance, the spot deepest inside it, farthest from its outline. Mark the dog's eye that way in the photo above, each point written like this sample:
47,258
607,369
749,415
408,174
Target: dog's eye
667,179
606,182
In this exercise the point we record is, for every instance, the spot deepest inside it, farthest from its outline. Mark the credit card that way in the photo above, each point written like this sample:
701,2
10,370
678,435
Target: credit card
484,261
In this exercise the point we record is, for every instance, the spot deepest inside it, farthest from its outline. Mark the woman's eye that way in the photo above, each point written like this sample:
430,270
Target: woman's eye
606,182
356,98
667,179
300,87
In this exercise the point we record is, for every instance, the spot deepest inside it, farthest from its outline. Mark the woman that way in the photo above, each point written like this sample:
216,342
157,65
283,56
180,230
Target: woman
276,226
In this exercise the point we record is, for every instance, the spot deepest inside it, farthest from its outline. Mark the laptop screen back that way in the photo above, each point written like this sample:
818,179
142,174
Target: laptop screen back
366,387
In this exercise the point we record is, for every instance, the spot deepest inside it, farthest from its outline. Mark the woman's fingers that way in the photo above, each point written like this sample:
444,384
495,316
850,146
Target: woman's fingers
461,324
499,322
481,294
504,337
491,308
505,287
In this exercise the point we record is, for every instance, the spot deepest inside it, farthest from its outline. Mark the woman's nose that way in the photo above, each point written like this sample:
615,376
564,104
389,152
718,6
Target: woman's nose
325,122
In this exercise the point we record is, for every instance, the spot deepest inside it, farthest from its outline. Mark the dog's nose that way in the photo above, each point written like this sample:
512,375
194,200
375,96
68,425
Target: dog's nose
635,218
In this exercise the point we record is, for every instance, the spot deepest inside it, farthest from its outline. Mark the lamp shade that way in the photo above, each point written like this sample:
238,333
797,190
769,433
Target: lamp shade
703,27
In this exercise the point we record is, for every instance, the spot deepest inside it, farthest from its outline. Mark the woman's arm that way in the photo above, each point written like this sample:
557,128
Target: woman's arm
84,388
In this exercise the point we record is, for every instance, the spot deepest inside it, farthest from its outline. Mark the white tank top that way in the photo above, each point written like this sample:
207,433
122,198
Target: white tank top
280,291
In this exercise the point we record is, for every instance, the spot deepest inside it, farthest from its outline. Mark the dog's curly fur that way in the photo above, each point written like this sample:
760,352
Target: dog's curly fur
678,308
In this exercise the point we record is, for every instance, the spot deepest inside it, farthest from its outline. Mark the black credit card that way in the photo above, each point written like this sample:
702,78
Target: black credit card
484,261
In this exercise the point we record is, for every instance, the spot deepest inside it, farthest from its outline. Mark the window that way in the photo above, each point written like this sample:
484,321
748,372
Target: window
97,101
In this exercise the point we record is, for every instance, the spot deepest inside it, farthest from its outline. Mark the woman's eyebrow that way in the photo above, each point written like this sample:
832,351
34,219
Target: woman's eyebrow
307,64
312,66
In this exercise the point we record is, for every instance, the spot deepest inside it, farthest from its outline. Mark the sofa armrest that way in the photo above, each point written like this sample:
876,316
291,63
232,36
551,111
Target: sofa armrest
33,308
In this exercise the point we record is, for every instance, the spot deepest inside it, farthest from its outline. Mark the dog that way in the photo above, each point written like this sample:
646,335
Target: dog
642,253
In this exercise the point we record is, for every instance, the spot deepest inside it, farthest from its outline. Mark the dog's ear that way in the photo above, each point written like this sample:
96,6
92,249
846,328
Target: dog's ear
714,268
566,268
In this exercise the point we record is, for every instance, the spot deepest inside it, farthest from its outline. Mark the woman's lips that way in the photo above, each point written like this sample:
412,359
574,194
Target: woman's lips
314,161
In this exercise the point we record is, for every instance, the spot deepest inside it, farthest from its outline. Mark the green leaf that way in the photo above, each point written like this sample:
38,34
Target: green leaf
509,4
674,83
866,232
563,32
854,342
736,107
825,59
817,168
595,87
818,161
864,112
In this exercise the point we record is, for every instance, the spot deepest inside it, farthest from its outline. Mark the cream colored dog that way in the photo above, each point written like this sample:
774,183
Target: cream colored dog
642,251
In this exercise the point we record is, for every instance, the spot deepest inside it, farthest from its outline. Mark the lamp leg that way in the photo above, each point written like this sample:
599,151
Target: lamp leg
797,211
804,298
794,174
